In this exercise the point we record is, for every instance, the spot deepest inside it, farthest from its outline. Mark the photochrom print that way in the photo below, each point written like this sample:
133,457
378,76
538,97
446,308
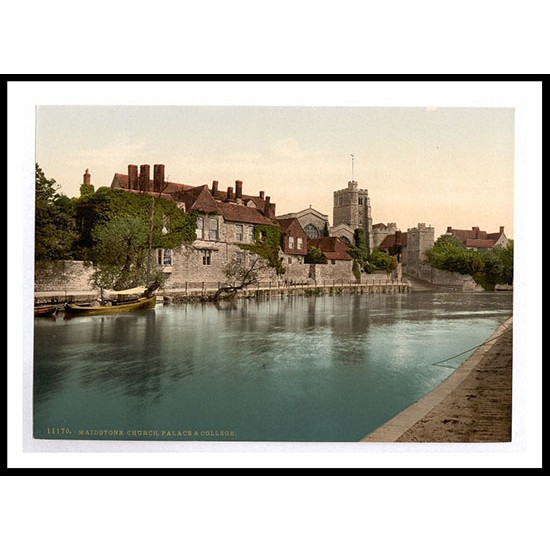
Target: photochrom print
275,274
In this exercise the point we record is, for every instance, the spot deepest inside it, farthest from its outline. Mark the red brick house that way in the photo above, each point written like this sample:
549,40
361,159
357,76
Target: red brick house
332,249
294,241
477,239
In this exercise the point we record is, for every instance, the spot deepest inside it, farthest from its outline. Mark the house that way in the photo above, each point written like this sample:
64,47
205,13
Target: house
294,241
332,249
479,240
226,220
380,231
394,245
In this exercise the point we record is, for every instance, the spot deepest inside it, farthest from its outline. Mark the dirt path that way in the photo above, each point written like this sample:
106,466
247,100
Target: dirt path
472,405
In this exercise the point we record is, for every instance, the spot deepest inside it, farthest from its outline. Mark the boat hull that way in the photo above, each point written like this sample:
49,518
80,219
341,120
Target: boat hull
45,311
141,303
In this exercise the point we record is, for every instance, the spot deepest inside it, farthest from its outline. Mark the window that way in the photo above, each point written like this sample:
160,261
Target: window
206,257
361,201
164,257
250,233
200,228
213,234
311,231
291,242
333,262
290,260
299,243
239,232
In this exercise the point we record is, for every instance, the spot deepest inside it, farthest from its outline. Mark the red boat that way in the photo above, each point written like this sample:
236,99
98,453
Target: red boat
45,311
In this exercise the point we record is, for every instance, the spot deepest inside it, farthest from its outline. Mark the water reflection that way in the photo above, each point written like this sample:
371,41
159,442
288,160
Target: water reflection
325,368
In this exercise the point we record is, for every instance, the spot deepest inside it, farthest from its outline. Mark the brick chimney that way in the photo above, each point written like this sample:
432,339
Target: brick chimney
449,229
398,238
158,177
132,176
267,206
144,177
501,231
230,195
238,189
87,178
262,195
214,187
476,232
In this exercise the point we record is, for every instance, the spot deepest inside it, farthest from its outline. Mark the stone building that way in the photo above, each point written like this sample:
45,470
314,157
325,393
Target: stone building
479,240
352,208
312,221
419,239
344,232
227,219
380,231
294,241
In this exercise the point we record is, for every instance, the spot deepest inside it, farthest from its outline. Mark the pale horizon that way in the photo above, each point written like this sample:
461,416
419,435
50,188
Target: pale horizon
439,166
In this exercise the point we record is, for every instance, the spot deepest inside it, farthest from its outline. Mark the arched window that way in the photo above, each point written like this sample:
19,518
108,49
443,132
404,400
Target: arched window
346,240
311,231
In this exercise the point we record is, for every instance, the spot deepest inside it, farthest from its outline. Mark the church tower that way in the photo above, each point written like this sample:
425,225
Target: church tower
352,207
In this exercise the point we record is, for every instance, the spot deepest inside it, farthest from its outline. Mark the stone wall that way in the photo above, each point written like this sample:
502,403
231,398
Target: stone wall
62,276
445,278
328,273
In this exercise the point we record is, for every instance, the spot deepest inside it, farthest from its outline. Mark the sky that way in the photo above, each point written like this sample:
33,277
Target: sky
442,166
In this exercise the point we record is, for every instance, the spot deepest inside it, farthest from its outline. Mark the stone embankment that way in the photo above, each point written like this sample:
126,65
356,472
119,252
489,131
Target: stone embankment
473,405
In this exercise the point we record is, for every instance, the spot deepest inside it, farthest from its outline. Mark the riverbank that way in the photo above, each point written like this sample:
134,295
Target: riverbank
474,404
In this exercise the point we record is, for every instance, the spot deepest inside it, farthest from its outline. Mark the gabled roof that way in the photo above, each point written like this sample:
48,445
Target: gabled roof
332,248
379,226
198,198
309,210
391,241
240,213
290,223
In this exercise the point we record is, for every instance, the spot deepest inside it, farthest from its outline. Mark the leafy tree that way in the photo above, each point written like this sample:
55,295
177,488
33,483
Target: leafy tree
120,253
266,245
54,220
378,261
86,189
239,276
314,256
326,232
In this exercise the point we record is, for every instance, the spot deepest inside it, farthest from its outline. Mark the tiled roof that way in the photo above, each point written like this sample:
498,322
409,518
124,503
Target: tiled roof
479,243
198,198
331,247
379,226
463,234
240,213
390,241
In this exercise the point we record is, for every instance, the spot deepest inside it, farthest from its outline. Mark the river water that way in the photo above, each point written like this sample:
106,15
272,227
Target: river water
316,368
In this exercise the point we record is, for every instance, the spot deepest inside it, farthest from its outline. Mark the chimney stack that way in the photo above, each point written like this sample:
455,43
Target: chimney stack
230,195
262,195
476,232
267,206
158,177
87,177
214,187
132,176
238,189
144,177
449,229
501,229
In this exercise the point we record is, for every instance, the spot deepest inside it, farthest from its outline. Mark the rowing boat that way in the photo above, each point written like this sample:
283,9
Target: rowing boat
132,305
45,311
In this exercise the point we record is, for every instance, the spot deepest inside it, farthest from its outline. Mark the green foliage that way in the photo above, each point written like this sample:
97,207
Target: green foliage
314,256
267,239
86,189
171,226
120,253
326,232
359,251
54,220
489,267
378,261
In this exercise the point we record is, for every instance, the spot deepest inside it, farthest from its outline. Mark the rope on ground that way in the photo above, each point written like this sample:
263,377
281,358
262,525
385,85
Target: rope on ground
438,363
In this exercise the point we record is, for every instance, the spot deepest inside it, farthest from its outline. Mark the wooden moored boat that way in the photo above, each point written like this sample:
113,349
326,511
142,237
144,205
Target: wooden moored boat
45,311
122,307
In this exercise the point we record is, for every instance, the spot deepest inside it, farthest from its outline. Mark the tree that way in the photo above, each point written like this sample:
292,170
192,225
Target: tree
239,276
326,232
120,253
55,232
314,256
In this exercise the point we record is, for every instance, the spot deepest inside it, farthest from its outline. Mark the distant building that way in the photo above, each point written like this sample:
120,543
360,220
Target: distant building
352,208
294,240
479,240
312,221
380,231
333,250
344,232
